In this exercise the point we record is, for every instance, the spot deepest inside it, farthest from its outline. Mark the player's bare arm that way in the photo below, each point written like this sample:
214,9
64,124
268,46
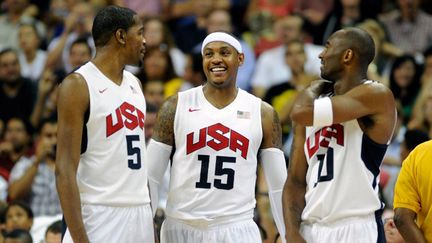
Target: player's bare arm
164,127
405,222
272,132
373,100
73,102
295,186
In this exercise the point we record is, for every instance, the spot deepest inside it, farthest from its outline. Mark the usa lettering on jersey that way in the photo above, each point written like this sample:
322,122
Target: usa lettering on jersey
322,138
218,137
127,115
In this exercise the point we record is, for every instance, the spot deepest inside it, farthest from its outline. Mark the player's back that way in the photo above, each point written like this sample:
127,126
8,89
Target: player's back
111,170
213,171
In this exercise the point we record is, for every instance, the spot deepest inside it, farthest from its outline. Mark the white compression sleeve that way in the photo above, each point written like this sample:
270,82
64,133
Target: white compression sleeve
158,155
323,112
275,172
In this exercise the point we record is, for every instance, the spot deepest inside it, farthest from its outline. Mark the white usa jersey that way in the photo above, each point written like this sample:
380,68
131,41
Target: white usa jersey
343,173
112,169
213,171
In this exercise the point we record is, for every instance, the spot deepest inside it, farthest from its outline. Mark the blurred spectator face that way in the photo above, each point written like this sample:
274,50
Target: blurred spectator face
48,135
28,38
17,218
154,93
295,57
153,32
16,6
85,14
150,121
156,64
52,237
16,134
408,7
404,74
351,8
288,28
202,7
10,70
219,20
79,54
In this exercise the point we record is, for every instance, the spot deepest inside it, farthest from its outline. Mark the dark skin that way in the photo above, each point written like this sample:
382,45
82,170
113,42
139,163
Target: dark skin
352,100
73,101
404,219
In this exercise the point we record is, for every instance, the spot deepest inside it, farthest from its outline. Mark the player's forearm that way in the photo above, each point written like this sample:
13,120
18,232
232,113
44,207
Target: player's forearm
71,205
293,205
410,232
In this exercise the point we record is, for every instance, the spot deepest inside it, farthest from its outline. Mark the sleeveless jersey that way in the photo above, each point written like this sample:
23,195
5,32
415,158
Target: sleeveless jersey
112,168
342,177
213,171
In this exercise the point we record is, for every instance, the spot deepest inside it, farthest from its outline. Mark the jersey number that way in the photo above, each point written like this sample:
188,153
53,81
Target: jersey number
328,164
135,162
219,171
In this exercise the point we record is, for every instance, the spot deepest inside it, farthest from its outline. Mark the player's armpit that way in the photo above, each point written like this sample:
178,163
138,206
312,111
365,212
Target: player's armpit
272,132
164,128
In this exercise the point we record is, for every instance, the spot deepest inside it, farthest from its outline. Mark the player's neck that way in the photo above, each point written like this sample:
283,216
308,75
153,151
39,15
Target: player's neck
112,68
348,82
220,97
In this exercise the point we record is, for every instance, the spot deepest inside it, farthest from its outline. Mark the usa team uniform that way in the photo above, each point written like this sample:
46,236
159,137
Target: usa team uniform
342,203
213,174
112,176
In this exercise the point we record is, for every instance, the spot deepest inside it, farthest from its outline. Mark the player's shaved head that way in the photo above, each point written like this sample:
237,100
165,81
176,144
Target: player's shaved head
360,42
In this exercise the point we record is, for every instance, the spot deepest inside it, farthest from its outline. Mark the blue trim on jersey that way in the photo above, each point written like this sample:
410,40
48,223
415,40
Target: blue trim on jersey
380,226
372,154
64,228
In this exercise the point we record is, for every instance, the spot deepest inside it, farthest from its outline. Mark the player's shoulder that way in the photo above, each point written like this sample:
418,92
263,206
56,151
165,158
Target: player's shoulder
73,80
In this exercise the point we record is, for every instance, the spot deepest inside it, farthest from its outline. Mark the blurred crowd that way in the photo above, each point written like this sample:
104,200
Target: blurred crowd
42,41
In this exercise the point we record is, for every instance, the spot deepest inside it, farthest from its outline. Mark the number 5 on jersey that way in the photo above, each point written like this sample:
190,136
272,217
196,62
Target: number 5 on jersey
219,172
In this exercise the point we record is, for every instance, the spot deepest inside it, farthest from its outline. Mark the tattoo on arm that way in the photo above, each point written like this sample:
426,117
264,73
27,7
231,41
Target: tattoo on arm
164,127
276,131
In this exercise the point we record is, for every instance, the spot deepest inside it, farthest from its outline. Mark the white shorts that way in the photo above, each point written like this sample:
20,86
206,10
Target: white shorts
354,230
244,231
116,224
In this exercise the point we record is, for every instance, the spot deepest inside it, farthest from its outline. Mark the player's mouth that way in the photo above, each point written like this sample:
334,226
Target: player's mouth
218,70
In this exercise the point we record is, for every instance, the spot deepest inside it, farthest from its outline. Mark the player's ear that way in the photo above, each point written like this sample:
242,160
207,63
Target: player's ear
348,55
241,58
120,36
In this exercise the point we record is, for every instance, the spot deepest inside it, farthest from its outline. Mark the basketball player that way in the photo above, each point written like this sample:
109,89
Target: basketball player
215,133
101,171
342,130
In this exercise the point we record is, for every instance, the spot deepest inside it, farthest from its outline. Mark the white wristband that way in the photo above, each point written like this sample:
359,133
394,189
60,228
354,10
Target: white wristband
323,112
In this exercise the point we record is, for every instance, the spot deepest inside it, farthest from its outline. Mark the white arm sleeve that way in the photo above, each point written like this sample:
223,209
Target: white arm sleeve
275,172
158,159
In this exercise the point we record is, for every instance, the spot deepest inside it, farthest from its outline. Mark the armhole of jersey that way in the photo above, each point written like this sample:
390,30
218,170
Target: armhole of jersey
84,138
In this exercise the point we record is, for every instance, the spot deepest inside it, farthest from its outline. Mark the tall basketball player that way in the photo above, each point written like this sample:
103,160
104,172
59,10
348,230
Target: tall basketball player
216,133
343,127
101,171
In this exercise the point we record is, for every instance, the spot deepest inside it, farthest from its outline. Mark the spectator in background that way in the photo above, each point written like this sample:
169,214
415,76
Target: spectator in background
17,94
76,25
18,216
18,236
426,76
193,75
54,232
33,179
422,116
220,20
409,27
314,12
32,59
16,145
405,83
150,121
11,20
413,201
271,68
143,8
154,92
80,52
157,34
